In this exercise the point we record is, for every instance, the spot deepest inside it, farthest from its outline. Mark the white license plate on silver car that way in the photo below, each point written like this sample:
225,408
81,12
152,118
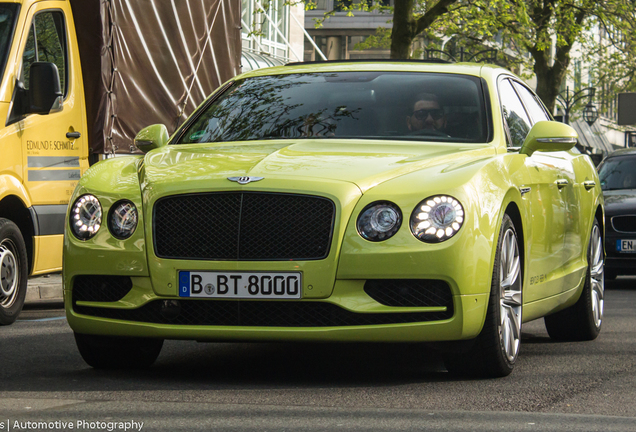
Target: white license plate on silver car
626,245
240,285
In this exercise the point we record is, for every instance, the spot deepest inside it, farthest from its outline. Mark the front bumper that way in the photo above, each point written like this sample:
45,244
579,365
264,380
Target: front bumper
619,262
359,317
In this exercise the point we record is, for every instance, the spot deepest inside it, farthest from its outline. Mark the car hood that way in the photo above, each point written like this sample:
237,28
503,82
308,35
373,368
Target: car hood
620,201
361,162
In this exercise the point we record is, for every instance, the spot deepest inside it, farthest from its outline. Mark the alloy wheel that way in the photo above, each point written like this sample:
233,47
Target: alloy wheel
596,272
510,299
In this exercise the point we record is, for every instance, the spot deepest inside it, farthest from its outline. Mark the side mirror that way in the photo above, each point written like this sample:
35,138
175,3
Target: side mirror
44,95
44,88
549,136
152,137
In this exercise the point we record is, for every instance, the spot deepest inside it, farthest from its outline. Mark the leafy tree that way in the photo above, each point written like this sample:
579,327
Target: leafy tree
535,35
548,30
410,19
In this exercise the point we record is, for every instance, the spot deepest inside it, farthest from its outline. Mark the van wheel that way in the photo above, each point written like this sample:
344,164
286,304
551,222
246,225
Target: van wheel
582,321
496,348
13,271
112,352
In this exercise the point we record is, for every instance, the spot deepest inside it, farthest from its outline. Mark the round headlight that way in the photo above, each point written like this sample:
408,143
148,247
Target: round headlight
379,221
86,217
122,219
437,219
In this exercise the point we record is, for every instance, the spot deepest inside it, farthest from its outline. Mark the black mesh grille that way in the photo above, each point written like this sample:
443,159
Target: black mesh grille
101,288
261,314
624,223
409,292
243,226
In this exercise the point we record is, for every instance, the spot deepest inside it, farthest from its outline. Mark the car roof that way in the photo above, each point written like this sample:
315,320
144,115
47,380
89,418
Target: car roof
622,152
474,69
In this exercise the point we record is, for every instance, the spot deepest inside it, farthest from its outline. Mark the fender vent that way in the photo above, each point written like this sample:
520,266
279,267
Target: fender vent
410,292
101,288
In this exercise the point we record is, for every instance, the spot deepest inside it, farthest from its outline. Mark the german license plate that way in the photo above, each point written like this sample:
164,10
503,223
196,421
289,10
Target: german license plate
626,245
241,285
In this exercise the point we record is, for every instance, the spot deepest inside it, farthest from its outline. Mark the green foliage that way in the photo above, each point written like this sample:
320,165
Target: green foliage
380,40
539,36
534,37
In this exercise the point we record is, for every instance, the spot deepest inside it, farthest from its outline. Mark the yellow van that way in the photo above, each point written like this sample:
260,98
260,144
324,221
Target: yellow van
60,113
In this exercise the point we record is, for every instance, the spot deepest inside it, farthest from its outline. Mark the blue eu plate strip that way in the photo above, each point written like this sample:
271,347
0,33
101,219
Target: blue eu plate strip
184,284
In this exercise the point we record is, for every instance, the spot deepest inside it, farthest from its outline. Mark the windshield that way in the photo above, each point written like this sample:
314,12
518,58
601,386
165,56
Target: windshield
367,105
618,173
8,15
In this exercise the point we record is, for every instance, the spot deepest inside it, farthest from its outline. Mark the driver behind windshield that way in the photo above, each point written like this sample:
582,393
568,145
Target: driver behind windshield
428,113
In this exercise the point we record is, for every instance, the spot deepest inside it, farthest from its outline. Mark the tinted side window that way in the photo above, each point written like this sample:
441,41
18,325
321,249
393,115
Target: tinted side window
46,43
534,107
514,114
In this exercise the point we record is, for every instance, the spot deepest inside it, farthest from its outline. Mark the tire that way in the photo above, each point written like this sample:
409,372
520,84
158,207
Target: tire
496,349
111,352
583,320
13,272
609,275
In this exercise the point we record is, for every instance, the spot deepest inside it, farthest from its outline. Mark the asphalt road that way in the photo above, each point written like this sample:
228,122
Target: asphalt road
585,386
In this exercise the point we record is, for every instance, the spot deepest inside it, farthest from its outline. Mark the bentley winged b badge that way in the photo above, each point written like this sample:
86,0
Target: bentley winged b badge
244,179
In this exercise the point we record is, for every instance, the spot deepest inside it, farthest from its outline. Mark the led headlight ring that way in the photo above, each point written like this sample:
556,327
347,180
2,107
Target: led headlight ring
86,217
437,218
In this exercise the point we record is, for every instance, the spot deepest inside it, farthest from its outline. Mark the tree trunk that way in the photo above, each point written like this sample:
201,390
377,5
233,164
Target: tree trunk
547,85
406,27
402,32
549,78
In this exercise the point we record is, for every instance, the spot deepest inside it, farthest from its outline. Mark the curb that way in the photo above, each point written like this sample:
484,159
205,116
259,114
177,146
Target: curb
45,289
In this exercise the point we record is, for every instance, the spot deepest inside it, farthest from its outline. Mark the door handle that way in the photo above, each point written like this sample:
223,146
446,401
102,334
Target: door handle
73,135
589,184
561,183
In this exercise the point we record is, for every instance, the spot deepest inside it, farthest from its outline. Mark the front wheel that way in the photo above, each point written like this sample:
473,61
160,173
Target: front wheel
111,352
13,271
583,320
495,350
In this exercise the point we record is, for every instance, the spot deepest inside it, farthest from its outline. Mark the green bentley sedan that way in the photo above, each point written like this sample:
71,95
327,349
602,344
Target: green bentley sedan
342,202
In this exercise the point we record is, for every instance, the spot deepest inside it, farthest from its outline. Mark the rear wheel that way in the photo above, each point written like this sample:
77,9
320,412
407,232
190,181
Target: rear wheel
583,320
495,350
111,352
13,271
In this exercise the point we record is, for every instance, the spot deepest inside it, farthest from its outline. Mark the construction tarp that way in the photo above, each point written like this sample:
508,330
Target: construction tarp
151,61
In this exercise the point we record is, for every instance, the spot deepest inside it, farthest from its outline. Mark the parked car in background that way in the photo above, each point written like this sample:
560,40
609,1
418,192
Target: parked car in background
618,181
343,202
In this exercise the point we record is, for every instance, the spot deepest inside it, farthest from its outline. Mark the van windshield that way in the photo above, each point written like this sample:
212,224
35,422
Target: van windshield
417,106
8,15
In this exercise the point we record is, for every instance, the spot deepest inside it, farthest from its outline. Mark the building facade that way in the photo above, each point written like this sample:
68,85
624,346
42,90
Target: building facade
272,33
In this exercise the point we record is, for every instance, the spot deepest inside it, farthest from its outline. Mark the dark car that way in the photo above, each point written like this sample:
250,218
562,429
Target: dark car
618,181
